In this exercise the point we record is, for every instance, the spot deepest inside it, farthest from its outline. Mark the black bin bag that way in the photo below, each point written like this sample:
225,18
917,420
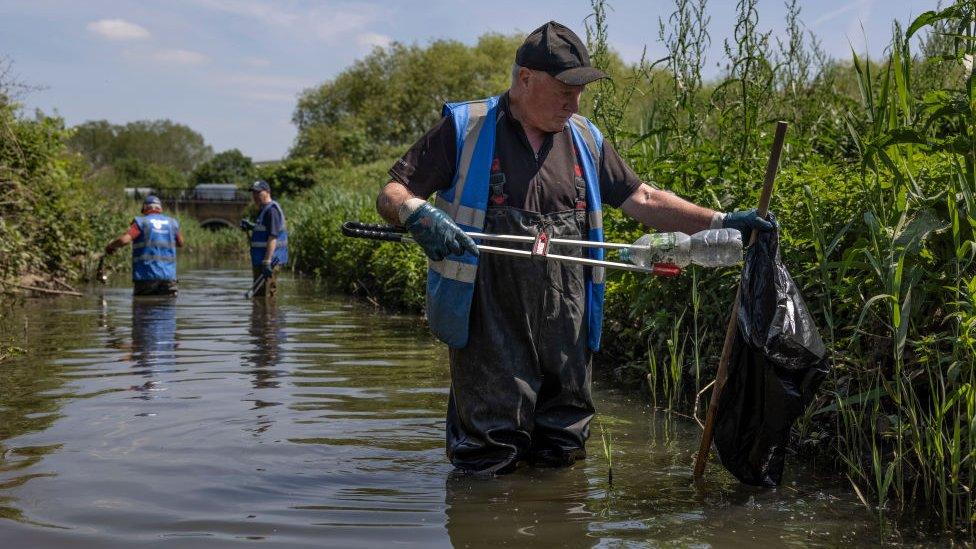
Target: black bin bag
778,361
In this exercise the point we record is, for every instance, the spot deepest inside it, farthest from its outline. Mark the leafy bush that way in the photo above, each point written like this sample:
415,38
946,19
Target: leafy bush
49,226
291,176
230,166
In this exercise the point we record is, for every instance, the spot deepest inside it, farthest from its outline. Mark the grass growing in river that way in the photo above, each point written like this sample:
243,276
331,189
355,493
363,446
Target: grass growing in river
606,438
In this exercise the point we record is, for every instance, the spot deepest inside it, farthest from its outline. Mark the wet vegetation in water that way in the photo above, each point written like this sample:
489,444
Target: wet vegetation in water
876,199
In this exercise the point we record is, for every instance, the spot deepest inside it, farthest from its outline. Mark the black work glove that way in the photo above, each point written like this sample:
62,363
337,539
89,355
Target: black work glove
247,225
437,233
745,221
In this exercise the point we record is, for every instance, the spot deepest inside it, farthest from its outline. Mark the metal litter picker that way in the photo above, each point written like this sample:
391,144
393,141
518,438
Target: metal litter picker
659,254
259,281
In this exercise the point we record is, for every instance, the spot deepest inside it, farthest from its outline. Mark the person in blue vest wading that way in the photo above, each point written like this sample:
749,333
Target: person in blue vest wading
269,238
154,238
521,333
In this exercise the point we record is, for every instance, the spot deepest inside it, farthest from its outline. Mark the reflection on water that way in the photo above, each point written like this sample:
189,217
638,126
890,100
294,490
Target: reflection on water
307,420
153,341
267,330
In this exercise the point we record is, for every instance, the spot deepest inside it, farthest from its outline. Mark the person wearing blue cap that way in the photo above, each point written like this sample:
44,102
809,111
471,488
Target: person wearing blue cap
269,238
154,238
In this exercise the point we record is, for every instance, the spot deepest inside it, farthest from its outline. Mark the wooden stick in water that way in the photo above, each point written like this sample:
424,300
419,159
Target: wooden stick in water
722,374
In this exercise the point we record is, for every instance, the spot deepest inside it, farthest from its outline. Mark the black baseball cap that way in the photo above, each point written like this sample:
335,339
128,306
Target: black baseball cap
555,49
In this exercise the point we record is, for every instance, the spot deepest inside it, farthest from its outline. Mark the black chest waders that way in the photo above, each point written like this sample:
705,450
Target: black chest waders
520,389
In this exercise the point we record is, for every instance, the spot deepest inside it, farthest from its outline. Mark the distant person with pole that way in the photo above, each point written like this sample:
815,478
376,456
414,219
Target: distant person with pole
154,238
269,239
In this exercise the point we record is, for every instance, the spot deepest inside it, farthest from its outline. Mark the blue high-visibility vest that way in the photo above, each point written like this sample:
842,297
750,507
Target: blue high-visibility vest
154,250
450,283
259,237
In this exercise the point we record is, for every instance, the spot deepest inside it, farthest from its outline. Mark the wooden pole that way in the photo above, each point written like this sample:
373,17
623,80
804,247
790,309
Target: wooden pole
46,290
721,375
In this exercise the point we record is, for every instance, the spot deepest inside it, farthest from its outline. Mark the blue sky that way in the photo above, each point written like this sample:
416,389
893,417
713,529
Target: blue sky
231,69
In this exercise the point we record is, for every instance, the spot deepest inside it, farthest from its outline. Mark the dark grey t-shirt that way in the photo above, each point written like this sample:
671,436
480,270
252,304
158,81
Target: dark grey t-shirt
273,220
545,184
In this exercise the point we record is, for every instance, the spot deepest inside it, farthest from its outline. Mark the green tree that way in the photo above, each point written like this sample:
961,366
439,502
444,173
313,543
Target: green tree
131,172
393,95
161,142
292,175
230,166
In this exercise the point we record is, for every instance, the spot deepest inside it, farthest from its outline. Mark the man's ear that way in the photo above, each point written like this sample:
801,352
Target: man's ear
524,76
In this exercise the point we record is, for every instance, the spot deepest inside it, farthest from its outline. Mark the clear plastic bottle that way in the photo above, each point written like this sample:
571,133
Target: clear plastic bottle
716,247
709,248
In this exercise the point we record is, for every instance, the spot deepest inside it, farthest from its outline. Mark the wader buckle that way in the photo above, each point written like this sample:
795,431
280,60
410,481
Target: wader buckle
540,248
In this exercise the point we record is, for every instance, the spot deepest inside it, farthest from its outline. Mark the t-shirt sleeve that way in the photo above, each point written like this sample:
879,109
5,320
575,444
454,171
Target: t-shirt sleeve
134,230
429,165
273,221
617,180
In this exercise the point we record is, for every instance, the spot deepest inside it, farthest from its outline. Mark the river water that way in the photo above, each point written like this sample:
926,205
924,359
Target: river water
314,421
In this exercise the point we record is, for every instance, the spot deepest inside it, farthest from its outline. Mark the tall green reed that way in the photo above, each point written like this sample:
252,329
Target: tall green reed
914,437
887,246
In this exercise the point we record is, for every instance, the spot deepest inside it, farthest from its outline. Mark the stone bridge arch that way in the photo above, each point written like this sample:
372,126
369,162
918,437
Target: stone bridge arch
212,210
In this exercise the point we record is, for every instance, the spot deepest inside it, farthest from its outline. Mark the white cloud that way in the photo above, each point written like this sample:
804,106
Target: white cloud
248,80
181,57
833,14
325,21
277,97
335,22
254,9
373,39
261,87
117,29
257,62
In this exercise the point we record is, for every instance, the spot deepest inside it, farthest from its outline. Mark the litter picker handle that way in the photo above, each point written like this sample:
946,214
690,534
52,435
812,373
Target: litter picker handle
374,227
259,281
388,233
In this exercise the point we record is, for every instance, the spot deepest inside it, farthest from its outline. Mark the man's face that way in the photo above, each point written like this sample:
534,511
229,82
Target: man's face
548,102
258,196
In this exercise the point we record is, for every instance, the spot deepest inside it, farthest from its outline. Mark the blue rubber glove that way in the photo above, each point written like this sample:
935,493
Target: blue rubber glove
437,233
267,270
745,221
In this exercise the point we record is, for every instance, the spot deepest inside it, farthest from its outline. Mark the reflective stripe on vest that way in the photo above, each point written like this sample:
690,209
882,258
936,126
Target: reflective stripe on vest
450,283
589,147
154,250
259,237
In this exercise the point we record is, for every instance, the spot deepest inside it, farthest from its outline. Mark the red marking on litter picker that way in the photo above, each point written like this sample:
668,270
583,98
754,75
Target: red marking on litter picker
665,269
541,245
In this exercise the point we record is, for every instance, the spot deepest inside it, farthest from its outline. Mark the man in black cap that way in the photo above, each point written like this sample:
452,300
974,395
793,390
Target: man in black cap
521,333
269,239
